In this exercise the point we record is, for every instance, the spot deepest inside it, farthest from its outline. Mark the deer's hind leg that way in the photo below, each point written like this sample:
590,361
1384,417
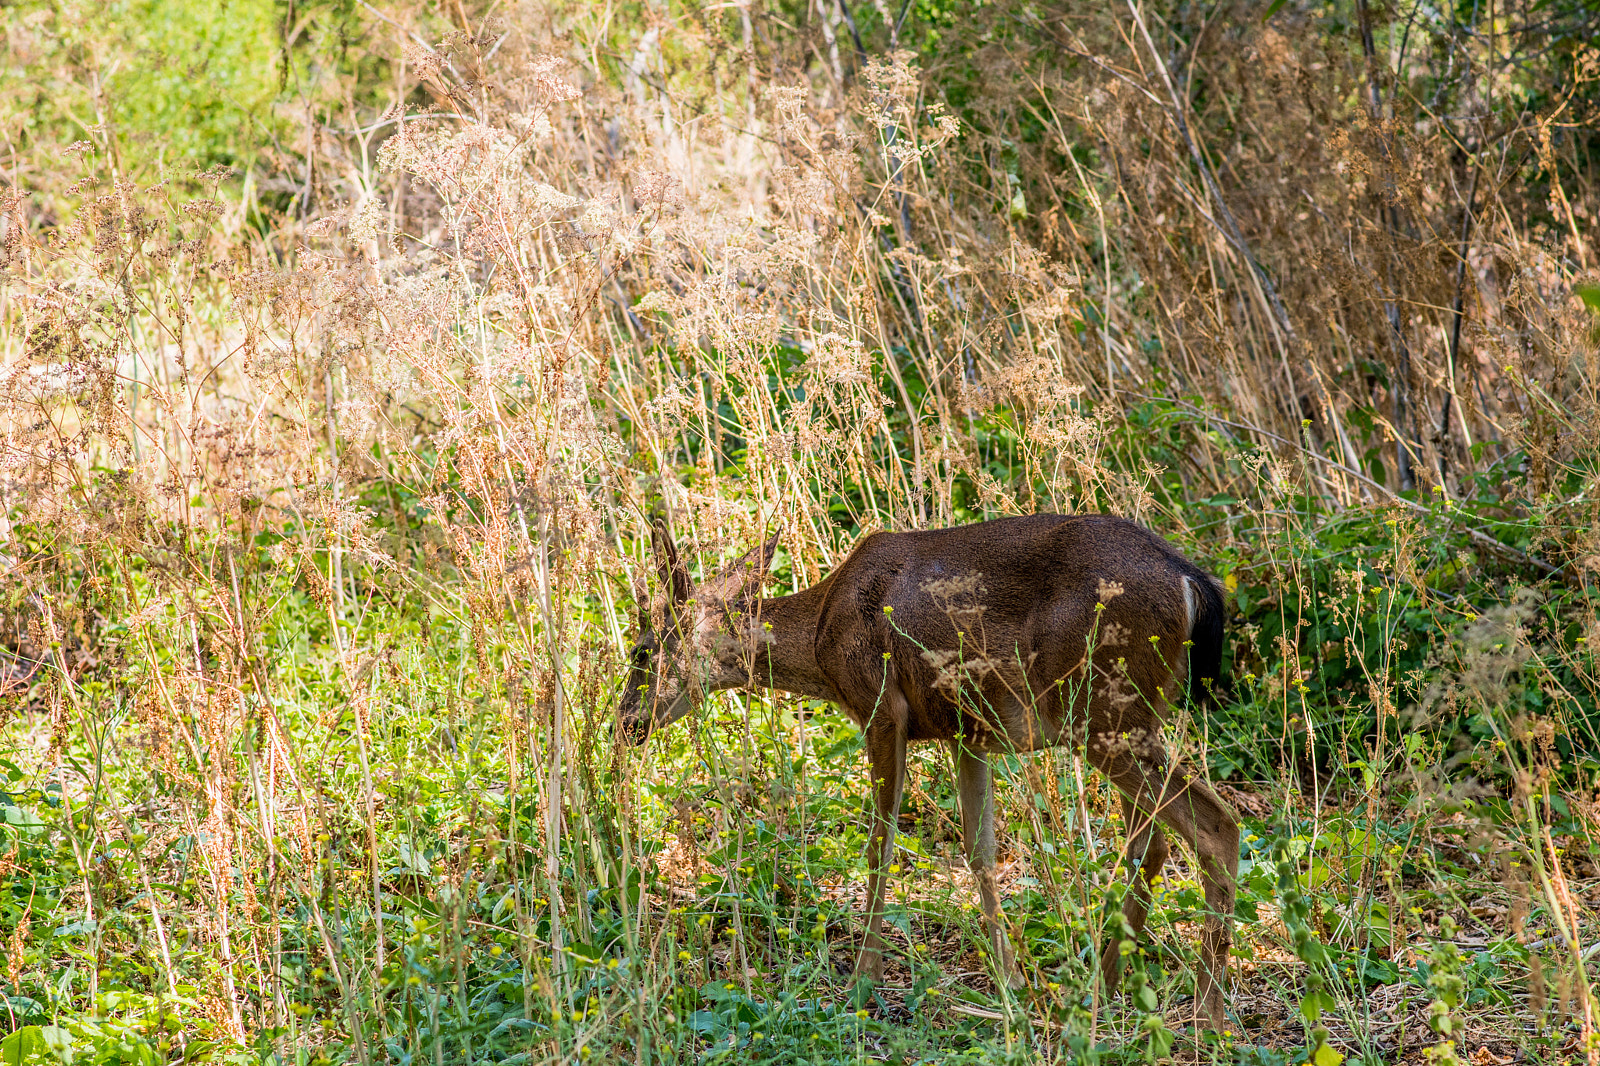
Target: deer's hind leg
975,785
1184,804
1147,851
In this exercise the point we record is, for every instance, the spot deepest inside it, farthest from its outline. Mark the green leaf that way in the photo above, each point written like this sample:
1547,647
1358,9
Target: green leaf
1589,293
23,1046
1273,9
1326,1056
1312,1006
22,818
1158,1038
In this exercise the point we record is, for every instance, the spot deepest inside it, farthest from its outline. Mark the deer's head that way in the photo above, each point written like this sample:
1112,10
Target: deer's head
692,639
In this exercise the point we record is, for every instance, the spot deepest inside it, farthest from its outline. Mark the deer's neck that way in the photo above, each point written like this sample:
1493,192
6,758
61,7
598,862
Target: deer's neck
783,657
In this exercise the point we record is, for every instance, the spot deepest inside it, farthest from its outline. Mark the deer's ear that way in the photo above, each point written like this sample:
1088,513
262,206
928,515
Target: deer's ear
741,579
674,575
641,601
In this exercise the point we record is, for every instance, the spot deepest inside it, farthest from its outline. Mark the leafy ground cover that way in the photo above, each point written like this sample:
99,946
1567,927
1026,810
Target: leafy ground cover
708,887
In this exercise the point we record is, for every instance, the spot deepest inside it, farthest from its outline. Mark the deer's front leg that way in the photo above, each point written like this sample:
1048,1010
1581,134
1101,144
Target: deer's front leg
975,784
886,750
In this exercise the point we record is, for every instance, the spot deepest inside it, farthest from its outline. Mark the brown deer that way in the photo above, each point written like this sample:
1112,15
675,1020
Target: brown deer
1005,636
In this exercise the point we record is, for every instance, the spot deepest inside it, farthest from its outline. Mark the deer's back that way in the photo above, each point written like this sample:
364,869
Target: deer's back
1005,612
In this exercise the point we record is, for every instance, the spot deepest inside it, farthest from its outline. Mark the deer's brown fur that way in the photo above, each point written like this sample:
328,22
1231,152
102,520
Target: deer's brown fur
1005,636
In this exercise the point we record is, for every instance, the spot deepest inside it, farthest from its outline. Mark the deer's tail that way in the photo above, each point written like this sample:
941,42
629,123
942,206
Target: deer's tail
1203,596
